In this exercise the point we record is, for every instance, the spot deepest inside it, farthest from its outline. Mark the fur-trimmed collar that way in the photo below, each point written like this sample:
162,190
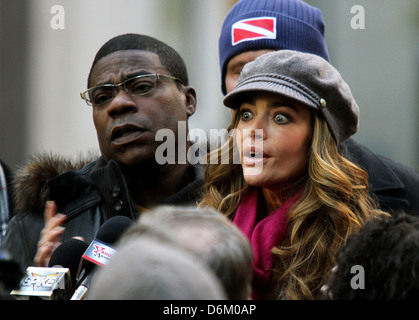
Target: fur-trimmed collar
30,182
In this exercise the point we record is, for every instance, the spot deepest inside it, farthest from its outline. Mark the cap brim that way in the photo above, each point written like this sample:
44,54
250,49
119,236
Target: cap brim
234,99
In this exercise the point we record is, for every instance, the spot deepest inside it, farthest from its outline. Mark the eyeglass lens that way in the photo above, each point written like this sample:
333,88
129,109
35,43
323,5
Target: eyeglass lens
135,86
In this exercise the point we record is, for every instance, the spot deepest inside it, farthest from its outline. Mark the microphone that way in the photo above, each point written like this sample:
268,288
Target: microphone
99,252
45,284
55,282
68,255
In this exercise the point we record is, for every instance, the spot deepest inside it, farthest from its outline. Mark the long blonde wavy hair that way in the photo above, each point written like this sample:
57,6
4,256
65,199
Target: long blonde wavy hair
335,202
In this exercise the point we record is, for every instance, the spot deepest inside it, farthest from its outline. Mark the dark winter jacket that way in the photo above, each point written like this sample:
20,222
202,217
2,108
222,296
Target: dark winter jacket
395,186
88,194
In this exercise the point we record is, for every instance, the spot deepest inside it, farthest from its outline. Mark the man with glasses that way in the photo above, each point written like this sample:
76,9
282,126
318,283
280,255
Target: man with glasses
137,85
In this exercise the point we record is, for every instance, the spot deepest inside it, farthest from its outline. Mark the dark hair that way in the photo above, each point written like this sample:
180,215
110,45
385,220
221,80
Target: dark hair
169,57
387,249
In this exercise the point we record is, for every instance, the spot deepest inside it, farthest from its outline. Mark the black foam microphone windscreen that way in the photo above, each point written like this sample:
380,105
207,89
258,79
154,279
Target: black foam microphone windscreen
113,229
68,255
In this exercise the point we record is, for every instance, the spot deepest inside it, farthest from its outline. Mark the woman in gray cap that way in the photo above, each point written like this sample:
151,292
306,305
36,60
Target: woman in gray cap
294,196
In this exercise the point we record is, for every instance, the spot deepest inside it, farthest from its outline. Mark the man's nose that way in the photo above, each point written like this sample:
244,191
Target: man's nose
122,103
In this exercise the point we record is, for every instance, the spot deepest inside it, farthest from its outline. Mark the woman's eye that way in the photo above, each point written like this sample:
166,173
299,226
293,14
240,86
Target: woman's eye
246,115
281,119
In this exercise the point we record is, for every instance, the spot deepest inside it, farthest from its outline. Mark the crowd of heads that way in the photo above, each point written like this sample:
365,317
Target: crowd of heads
203,233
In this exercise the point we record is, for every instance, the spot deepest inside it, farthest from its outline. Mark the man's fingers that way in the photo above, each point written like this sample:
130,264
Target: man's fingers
51,217
46,246
44,254
51,235
50,210
78,238
55,221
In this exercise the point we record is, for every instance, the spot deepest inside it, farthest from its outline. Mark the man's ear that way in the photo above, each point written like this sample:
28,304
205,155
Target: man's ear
190,104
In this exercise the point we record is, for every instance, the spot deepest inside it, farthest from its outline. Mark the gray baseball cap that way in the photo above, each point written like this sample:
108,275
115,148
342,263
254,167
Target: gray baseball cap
306,78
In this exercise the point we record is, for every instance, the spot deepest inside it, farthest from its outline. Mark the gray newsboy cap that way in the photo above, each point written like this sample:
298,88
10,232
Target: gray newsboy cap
305,78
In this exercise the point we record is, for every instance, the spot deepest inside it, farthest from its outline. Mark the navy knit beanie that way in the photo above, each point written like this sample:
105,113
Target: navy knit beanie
271,24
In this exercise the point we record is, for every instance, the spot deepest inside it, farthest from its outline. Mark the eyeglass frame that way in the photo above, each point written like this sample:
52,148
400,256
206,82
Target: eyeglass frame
110,85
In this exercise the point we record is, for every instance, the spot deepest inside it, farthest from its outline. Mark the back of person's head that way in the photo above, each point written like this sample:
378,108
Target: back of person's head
169,57
271,24
210,236
380,262
10,274
149,269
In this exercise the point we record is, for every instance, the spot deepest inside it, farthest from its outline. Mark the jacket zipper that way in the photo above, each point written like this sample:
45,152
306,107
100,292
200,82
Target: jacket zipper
127,195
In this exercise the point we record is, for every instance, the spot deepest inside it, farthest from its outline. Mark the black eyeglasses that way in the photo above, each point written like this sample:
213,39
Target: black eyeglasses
136,86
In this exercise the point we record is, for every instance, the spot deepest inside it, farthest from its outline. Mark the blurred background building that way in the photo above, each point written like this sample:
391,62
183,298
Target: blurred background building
44,63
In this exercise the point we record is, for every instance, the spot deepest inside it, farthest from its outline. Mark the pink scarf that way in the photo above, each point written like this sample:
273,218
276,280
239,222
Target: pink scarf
263,234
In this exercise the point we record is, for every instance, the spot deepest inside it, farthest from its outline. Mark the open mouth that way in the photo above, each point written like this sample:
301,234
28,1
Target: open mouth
126,133
253,156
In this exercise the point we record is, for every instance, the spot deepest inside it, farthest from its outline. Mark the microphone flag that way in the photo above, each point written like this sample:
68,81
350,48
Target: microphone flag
99,252
45,283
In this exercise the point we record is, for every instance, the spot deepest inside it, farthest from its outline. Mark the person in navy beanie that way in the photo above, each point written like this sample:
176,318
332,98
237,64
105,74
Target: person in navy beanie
254,27
271,24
